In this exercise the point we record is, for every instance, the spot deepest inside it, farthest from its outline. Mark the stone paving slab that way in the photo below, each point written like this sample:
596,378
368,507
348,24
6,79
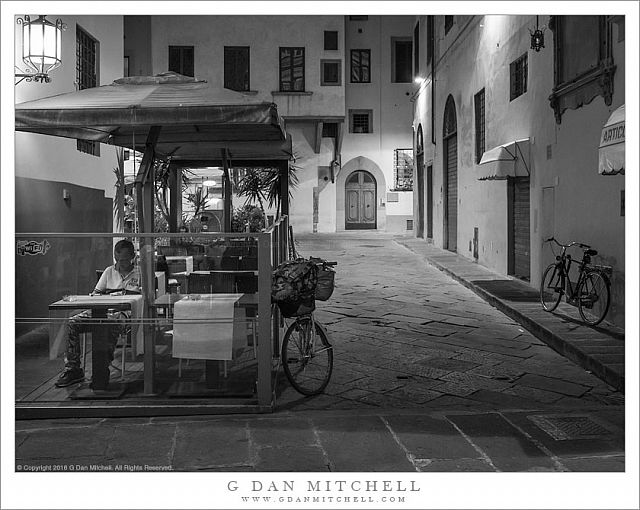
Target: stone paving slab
550,384
561,330
359,441
198,445
498,440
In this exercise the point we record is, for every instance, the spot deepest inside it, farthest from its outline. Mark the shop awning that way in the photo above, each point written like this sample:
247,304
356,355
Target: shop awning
508,160
611,150
195,121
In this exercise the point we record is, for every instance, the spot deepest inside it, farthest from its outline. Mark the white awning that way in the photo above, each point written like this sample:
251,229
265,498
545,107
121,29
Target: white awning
508,160
611,150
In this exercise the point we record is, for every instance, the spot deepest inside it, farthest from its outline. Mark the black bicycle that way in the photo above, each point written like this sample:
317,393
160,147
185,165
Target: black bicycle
591,293
307,355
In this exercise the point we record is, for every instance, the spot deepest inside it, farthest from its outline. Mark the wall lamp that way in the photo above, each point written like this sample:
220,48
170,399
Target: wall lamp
537,37
41,48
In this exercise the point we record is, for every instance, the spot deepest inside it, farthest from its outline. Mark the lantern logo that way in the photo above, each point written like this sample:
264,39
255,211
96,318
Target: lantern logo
33,247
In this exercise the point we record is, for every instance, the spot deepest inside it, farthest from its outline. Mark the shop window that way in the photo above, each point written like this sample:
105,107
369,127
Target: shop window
330,72
360,66
448,24
291,69
403,169
401,57
360,121
583,62
478,101
236,68
518,71
181,60
330,40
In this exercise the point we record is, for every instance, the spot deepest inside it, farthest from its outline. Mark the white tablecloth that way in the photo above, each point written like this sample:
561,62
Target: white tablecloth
210,327
58,330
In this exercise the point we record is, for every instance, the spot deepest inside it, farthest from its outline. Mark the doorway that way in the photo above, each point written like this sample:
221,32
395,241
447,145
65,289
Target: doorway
420,171
450,192
519,261
420,175
430,202
360,200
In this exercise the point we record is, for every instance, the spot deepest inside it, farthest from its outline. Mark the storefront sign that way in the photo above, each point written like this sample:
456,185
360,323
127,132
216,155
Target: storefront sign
612,134
33,247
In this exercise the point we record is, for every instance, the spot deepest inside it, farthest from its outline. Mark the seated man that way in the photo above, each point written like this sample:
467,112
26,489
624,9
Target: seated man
122,277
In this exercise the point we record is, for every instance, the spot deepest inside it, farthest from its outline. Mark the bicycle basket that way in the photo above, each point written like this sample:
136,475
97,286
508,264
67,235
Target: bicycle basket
296,308
326,283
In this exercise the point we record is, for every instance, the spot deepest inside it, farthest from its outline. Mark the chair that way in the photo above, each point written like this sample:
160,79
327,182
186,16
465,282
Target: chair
210,283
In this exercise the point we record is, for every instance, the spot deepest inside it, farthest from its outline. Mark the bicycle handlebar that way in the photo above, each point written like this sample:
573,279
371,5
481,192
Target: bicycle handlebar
318,260
572,243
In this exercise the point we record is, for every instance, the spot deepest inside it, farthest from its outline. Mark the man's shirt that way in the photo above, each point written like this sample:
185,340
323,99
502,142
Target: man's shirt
111,279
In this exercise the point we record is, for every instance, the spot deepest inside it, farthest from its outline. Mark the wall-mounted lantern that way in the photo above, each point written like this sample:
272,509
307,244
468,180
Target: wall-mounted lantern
537,37
41,48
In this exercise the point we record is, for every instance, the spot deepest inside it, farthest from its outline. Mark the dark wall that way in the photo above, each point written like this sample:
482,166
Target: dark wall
68,265
40,207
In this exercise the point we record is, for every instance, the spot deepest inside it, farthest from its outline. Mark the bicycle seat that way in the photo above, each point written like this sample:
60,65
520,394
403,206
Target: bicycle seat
591,252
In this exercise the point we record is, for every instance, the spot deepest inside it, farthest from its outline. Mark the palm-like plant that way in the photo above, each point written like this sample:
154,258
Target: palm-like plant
119,199
262,185
254,186
274,183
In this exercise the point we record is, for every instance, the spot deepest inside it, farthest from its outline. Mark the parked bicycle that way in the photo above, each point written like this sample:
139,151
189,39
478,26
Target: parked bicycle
307,354
591,293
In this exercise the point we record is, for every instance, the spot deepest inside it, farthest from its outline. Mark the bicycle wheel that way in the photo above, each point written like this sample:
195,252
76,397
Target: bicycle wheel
307,359
551,288
594,298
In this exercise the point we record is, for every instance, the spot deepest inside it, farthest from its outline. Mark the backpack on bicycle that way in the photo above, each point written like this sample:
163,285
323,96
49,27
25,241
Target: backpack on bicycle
293,286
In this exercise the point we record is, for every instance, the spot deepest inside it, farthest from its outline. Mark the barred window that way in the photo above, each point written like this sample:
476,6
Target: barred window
86,77
360,66
518,71
403,169
291,69
478,101
86,60
360,121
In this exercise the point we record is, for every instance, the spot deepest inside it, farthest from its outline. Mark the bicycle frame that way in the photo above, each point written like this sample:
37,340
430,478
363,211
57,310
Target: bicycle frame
563,264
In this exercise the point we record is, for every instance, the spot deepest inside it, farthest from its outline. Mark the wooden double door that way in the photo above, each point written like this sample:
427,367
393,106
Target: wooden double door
360,201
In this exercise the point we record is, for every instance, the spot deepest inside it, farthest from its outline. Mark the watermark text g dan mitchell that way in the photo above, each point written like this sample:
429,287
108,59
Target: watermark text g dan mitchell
272,486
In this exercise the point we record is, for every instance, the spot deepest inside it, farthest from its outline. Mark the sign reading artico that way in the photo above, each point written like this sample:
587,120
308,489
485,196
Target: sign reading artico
32,247
612,134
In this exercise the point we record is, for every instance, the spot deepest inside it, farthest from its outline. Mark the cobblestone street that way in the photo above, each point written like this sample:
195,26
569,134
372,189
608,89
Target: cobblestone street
406,335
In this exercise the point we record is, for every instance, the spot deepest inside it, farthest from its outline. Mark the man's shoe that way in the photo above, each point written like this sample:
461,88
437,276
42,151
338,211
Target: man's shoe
70,376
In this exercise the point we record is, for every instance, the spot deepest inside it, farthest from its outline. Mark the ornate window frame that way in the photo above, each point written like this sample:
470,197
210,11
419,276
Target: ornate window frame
585,87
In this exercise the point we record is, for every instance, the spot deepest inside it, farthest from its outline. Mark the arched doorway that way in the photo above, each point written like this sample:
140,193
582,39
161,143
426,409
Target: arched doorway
360,201
450,180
